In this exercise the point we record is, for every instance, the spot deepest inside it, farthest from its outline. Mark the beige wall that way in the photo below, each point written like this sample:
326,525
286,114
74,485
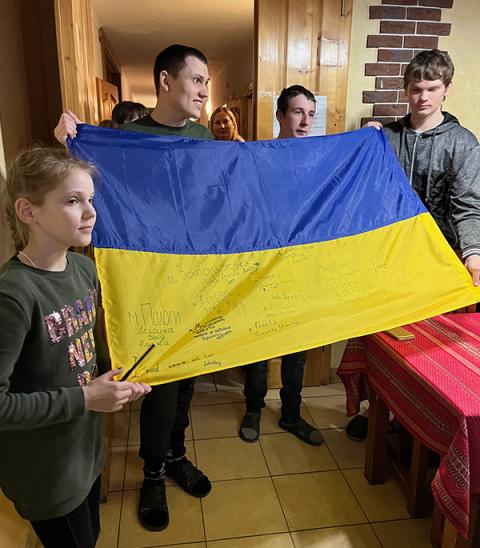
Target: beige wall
147,99
97,55
233,78
463,45
127,92
362,26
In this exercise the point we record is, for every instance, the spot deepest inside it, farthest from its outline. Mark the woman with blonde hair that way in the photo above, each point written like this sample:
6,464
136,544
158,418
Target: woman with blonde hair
223,125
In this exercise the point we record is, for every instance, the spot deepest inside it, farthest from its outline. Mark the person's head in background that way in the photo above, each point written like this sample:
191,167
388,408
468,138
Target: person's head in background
223,125
181,78
427,80
295,112
127,111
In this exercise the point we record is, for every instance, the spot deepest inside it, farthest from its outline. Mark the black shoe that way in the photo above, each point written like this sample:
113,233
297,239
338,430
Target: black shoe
192,480
250,427
152,506
304,431
357,428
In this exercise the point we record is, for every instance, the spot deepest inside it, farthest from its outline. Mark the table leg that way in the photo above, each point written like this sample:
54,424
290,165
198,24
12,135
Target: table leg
416,492
437,527
451,537
376,450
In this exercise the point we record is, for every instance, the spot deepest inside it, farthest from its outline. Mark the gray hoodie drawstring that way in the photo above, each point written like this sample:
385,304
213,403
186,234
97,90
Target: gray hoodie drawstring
429,174
402,149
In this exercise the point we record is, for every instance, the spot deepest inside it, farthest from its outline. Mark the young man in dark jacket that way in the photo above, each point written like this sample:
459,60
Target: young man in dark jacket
295,113
442,162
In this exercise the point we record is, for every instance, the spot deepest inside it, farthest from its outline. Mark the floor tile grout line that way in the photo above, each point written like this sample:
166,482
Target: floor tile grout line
194,440
201,499
204,542
354,495
264,434
364,511
266,399
327,526
120,519
222,539
126,450
270,397
376,536
275,489
262,477
203,519
174,545
265,458
123,483
289,532
281,505
236,435
331,452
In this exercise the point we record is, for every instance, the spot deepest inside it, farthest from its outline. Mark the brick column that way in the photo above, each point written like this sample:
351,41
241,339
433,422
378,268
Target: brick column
406,27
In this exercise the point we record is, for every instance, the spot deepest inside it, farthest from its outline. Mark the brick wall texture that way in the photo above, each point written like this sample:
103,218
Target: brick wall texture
405,28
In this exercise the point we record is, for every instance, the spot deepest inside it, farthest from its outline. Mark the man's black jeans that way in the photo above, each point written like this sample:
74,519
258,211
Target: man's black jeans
255,390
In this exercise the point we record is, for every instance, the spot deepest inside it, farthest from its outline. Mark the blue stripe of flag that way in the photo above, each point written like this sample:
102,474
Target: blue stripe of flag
172,195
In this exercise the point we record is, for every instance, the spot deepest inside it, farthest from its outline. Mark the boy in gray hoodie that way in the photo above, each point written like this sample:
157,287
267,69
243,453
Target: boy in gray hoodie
440,157
442,162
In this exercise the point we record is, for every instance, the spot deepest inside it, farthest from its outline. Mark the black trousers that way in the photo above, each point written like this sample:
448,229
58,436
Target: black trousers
255,390
78,529
163,420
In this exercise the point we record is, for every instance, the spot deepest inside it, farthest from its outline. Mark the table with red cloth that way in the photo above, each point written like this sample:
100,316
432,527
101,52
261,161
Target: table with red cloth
432,386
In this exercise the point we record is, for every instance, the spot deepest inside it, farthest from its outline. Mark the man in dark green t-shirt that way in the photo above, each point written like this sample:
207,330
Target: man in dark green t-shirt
181,79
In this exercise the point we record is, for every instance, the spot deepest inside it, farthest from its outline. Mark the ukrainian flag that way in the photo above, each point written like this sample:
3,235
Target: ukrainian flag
225,253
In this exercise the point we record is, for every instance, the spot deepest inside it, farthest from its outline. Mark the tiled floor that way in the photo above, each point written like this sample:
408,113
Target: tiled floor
278,493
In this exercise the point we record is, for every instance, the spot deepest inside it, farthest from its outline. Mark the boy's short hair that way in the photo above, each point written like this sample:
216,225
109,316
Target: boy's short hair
172,59
289,93
429,65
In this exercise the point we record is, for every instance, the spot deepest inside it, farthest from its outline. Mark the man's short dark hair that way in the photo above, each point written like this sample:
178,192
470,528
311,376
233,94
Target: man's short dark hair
289,93
172,60
429,65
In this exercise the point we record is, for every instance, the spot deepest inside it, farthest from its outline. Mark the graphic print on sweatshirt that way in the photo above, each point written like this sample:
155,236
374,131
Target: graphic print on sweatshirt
74,324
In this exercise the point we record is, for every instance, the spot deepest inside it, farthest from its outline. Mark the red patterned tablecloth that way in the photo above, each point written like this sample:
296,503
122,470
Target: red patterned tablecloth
432,385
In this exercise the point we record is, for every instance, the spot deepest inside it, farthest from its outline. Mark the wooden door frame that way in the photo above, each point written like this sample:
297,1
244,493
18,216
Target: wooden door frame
103,87
111,69
73,23
334,34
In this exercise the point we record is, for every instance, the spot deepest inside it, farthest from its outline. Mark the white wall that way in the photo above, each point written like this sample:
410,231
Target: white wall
463,46
362,26
232,78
